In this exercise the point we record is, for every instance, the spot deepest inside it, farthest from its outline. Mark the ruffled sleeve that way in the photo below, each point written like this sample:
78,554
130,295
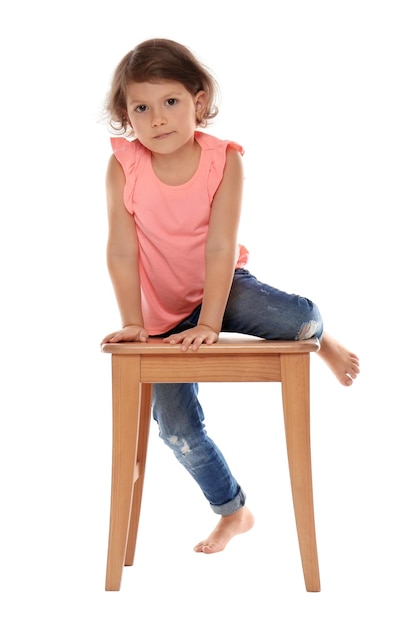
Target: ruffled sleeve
216,151
128,153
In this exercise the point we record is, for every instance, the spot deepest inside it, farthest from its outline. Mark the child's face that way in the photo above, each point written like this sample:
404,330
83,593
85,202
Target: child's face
163,115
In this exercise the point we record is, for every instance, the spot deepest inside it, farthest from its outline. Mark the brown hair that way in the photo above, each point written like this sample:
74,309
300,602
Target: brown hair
157,60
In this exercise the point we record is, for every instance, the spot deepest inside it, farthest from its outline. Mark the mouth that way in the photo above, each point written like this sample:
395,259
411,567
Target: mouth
163,136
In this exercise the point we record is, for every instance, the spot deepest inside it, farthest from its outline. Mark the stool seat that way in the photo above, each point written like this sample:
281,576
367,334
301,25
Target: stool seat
234,358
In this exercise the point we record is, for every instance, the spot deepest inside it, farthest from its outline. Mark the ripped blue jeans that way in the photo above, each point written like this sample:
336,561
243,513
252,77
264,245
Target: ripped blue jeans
253,308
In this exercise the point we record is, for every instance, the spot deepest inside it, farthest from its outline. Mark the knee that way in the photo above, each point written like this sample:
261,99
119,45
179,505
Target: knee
310,329
311,323
179,445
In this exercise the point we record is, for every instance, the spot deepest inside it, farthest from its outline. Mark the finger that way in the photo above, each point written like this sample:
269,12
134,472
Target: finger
107,339
186,343
172,339
116,338
209,340
197,343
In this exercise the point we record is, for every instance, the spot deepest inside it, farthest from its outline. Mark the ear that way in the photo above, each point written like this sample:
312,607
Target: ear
201,100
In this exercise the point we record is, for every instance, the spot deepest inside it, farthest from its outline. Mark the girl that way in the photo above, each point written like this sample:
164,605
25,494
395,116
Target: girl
174,198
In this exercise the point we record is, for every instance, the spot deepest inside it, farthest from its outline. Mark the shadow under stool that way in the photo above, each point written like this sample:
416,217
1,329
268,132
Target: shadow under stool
136,366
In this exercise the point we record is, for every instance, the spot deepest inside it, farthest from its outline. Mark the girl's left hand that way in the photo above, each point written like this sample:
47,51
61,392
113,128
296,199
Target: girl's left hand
193,337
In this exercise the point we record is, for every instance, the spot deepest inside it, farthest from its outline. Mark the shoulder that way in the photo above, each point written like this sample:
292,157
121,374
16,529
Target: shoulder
126,150
221,159
210,142
115,179
114,170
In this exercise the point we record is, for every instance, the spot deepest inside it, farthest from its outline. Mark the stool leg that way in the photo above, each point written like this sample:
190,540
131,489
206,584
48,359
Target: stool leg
144,429
295,375
125,401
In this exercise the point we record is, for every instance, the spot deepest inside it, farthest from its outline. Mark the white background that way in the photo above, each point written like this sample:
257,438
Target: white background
324,98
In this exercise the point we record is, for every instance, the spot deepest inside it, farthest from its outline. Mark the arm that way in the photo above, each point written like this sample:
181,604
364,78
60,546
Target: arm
122,259
220,256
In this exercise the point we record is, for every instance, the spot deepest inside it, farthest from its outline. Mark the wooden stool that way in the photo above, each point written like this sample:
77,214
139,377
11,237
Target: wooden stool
136,366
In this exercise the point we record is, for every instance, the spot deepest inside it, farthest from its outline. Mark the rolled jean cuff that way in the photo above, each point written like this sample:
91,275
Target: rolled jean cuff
230,507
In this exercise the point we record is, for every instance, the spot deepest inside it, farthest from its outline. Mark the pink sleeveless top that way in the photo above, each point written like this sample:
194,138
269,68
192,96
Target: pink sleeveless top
172,225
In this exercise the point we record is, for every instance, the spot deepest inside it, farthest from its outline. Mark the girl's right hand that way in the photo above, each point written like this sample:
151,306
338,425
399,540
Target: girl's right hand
128,333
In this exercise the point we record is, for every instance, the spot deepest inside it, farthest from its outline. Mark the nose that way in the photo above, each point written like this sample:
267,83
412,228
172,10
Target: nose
158,119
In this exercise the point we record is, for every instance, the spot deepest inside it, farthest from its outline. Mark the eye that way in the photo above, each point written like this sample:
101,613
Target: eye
141,108
171,101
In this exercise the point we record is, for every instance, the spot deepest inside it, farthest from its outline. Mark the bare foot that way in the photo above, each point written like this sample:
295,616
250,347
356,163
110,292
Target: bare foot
228,527
344,364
